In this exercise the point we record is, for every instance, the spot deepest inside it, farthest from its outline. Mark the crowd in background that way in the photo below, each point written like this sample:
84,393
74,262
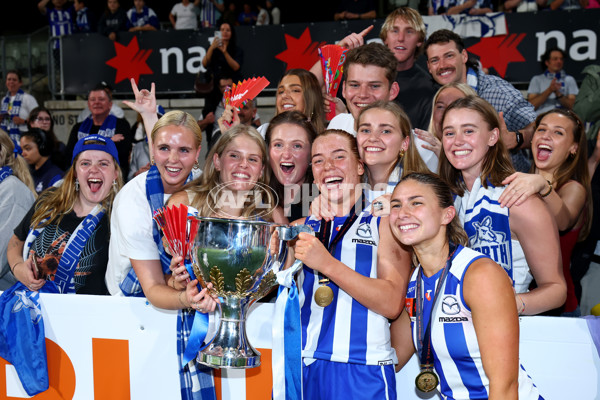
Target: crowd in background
460,168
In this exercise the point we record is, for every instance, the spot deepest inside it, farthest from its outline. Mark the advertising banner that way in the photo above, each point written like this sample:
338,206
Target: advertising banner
117,348
508,45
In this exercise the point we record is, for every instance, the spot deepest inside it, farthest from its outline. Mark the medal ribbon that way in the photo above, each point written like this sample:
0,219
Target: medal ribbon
424,338
325,231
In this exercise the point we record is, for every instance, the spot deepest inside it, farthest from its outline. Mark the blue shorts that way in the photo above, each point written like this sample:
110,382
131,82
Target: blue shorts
330,380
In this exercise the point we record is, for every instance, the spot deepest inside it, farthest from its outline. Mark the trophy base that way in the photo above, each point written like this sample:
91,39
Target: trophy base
216,357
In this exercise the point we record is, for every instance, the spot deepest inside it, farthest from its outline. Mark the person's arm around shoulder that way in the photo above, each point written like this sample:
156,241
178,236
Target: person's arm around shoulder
488,293
537,233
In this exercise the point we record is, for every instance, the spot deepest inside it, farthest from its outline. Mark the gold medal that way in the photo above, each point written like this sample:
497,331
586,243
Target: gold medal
323,296
427,380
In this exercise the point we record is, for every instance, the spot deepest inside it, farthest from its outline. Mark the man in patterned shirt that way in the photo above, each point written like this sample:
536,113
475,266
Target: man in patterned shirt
448,61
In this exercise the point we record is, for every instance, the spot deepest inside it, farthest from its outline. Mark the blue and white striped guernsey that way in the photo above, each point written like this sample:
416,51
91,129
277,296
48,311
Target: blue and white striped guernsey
345,331
457,359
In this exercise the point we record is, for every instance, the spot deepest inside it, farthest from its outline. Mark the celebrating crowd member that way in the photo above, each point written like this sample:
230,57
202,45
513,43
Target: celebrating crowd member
403,32
16,197
431,139
142,18
102,123
289,138
136,248
478,356
385,147
475,163
37,148
562,178
447,61
62,242
369,75
353,279
554,88
298,90
16,106
224,57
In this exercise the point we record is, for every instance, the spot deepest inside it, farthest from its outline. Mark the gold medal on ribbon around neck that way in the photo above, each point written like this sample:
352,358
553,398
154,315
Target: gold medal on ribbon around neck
323,296
427,380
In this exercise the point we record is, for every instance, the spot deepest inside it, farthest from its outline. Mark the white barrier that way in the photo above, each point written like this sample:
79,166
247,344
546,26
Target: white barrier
113,348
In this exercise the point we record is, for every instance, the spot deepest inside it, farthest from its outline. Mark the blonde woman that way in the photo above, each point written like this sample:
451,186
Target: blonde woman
17,194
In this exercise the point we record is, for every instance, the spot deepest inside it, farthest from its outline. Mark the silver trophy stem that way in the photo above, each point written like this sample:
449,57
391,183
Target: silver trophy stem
230,348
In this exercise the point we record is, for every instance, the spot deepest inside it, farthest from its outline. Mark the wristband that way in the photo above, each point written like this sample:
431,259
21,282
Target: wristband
520,139
549,190
181,301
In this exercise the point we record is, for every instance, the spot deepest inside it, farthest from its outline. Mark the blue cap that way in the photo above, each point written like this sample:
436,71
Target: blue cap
96,142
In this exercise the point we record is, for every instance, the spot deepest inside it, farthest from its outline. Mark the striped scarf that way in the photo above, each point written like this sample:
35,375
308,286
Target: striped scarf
11,110
63,280
108,128
5,172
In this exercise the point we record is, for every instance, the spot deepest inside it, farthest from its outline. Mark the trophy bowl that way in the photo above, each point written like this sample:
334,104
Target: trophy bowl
241,261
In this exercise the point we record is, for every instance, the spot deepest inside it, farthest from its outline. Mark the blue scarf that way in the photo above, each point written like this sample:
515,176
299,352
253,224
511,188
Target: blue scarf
63,280
107,129
10,111
22,336
5,172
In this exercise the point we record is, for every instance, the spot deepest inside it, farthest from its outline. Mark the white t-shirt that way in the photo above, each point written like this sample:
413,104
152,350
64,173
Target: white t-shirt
130,232
185,16
345,122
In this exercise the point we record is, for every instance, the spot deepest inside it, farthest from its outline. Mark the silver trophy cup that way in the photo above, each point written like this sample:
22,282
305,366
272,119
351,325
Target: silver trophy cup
241,259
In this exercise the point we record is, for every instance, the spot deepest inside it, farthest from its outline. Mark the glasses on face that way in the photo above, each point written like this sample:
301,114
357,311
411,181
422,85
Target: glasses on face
43,119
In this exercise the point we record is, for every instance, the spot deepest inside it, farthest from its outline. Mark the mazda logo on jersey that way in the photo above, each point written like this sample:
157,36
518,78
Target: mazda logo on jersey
364,235
450,305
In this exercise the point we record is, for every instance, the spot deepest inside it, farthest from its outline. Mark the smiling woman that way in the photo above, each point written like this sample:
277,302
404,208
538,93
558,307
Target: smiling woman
475,163
353,279
63,218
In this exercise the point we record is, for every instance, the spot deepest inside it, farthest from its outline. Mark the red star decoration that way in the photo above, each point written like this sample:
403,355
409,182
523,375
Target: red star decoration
301,52
130,61
498,51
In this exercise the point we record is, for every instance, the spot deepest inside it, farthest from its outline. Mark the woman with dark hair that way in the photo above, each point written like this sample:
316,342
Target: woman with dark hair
459,310
224,57
353,279
475,163
113,21
299,90
40,117
560,176
289,138
37,147
62,242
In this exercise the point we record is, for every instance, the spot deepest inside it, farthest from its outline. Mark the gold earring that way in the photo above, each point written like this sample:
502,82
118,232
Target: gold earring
401,154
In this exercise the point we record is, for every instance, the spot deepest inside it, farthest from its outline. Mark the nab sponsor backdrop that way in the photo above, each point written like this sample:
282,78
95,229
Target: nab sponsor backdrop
171,59
116,348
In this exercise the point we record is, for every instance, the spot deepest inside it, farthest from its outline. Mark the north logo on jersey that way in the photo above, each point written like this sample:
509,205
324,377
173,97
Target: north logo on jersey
364,235
489,241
